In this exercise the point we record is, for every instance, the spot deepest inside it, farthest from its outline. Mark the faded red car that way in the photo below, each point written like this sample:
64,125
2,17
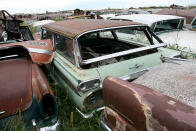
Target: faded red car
162,99
24,88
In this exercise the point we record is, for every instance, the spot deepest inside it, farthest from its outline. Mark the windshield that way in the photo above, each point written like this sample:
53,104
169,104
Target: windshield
103,43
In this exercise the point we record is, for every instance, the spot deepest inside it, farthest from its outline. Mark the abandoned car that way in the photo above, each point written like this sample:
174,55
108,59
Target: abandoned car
162,99
86,51
25,92
188,14
168,27
10,29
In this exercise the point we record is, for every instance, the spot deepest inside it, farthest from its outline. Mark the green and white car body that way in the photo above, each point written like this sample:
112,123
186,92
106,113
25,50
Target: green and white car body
87,51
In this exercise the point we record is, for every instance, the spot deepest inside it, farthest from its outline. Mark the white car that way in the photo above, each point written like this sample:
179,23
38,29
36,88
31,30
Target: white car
168,27
37,25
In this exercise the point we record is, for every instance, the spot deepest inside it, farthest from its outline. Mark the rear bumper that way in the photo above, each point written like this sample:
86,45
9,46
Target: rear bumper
89,114
103,124
55,127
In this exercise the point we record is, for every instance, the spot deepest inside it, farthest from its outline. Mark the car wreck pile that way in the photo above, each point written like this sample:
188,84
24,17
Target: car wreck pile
118,67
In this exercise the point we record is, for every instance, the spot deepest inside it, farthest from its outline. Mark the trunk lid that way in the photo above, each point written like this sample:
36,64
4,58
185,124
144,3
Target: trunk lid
15,86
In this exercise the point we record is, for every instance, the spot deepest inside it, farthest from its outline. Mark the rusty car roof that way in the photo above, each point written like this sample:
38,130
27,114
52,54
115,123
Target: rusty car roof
188,14
72,28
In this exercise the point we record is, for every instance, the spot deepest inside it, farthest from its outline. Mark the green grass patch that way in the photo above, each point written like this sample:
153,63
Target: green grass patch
70,119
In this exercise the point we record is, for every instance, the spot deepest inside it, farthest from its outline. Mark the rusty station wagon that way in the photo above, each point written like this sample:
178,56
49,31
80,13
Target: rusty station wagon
86,51
24,89
161,99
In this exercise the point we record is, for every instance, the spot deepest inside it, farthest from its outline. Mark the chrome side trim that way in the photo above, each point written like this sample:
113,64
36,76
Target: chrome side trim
89,114
122,53
2,112
10,56
41,51
134,75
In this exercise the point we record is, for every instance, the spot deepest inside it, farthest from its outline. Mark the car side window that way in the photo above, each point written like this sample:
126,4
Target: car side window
167,25
46,34
106,34
26,33
132,36
64,46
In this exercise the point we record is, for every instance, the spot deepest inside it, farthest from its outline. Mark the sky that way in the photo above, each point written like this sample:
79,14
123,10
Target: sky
41,6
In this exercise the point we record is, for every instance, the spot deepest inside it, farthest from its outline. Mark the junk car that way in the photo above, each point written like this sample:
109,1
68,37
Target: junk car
11,30
168,27
86,51
161,99
25,92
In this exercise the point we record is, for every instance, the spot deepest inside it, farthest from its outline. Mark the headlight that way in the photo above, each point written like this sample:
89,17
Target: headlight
88,85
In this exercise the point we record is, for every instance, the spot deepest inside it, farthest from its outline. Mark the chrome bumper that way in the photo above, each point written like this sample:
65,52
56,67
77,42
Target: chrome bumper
103,124
89,114
54,127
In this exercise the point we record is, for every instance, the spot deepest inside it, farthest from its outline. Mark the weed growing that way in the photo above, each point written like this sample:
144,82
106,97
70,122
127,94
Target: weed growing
70,119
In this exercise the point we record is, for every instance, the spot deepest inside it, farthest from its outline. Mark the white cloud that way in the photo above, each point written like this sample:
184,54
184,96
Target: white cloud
15,6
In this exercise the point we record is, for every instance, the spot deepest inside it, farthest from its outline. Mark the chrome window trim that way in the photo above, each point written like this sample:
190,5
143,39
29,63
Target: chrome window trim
30,50
134,75
103,29
122,53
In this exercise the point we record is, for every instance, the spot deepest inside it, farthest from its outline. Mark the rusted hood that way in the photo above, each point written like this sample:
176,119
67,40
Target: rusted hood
15,86
40,51
146,109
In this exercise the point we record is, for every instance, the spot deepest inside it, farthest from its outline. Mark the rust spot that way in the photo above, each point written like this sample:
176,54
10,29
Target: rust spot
146,108
36,57
116,122
72,28
15,81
